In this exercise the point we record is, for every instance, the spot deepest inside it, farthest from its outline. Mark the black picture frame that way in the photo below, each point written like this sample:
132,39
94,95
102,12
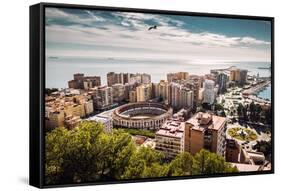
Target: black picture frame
37,91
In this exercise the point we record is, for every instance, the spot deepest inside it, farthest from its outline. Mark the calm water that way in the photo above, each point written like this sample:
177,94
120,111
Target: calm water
61,70
265,93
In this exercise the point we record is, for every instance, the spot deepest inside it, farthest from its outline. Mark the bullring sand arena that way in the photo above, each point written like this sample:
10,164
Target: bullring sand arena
141,115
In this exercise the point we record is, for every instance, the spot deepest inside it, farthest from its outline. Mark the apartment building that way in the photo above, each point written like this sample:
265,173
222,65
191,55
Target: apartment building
84,82
144,92
205,131
170,138
175,77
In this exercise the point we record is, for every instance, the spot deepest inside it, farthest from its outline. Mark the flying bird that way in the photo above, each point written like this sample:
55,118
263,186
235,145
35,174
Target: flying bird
154,27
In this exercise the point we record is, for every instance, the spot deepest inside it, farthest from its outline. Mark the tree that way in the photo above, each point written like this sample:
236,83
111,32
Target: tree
240,110
264,147
218,107
223,114
81,159
210,163
146,162
122,148
155,170
268,118
54,148
181,165
86,154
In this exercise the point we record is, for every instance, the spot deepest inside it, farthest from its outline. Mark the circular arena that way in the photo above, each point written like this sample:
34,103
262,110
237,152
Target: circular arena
141,115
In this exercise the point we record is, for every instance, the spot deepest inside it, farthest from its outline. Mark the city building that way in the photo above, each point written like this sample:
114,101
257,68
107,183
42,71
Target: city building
66,108
201,95
205,131
183,114
117,78
140,78
162,90
241,167
144,92
118,92
209,93
186,98
222,80
102,97
232,152
128,87
170,138
85,101
175,77
251,157
211,77
145,78
243,77
195,84
89,107
54,118
238,75
180,96
105,120
123,78
133,96
74,109
94,81
84,82
71,121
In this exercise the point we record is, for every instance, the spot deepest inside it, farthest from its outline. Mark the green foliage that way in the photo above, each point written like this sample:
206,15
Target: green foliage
147,133
203,162
206,162
218,107
254,113
86,153
248,135
182,165
264,147
146,163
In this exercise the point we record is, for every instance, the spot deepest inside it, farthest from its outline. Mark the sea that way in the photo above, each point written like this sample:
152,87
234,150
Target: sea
59,70
265,93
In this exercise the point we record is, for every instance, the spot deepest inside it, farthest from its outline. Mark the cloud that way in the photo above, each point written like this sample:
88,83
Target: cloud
94,17
253,41
125,35
54,14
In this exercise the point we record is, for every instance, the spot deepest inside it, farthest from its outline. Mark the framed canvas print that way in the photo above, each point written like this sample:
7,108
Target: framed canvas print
126,95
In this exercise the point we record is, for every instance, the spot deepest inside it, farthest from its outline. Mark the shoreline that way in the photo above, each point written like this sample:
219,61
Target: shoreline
261,90
257,88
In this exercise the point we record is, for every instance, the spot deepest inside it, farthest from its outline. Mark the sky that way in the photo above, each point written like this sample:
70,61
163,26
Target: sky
81,33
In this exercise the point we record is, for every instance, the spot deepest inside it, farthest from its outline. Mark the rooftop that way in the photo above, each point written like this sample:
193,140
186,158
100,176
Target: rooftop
201,121
172,128
246,167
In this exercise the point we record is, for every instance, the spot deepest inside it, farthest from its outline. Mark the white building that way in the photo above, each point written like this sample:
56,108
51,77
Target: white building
89,107
105,120
180,96
144,92
162,90
209,92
